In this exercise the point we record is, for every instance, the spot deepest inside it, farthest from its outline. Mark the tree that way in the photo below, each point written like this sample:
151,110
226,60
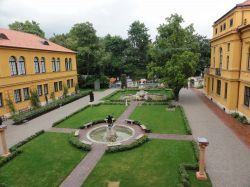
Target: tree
137,52
27,26
175,54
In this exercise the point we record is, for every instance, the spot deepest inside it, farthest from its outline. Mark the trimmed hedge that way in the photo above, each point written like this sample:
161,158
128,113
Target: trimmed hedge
21,117
240,118
79,145
139,124
133,145
186,123
10,157
21,143
156,103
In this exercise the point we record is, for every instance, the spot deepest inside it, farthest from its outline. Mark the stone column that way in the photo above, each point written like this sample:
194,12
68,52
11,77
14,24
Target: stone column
201,174
4,145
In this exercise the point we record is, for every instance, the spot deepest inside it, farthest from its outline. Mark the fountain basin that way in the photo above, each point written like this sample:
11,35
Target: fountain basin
98,134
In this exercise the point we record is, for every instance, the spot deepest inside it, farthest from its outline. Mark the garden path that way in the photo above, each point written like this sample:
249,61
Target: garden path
227,158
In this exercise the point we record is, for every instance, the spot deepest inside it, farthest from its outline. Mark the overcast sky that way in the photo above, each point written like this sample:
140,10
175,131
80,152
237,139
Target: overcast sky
113,16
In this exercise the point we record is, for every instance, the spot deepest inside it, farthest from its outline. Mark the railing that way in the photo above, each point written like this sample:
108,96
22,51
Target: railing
218,71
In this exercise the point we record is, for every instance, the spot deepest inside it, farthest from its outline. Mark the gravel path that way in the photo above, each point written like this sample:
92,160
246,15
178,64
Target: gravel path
227,158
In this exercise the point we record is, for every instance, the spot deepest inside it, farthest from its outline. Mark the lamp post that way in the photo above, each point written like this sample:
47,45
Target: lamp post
3,140
201,174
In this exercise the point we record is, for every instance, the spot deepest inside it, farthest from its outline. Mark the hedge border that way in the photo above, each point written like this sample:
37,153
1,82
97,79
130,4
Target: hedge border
21,117
75,142
134,144
186,122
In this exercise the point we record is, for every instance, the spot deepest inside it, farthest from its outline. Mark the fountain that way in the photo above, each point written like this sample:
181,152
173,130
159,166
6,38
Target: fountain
111,135
142,95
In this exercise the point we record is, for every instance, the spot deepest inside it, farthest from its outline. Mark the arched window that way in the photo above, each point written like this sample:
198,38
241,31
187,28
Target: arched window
53,61
70,64
21,66
221,57
58,64
36,63
43,69
66,64
248,64
13,65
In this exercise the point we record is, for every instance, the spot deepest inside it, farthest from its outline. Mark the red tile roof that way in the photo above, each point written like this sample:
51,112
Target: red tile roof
19,39
247,2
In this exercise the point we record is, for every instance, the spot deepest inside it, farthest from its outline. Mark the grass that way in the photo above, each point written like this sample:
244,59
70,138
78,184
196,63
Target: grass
122,93
197,183
92,113
156,163
45,161
159,120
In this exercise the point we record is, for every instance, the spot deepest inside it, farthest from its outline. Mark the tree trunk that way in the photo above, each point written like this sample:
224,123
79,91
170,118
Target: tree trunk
176,94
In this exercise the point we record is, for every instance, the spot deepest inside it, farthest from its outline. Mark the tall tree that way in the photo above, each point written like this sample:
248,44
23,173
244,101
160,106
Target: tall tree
27,26
137,52
174,54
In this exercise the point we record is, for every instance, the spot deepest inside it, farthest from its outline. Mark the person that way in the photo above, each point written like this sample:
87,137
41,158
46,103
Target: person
91,96
110,120
1,121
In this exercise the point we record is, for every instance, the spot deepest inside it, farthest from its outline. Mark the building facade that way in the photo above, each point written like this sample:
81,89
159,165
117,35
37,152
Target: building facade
227,81
29,64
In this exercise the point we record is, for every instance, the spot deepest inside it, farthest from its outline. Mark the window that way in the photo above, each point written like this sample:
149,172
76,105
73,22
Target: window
60,85
17,95
225,94
247,96
221,58
70,83
36,63
224,26
227,62
212,84
221,28
66,64
218,87
53,61
13,66
43,69
228,47
45,89
58,64
70,64
216,31
26,95
56,86
1,100
39,90
21,66
231,22
248,64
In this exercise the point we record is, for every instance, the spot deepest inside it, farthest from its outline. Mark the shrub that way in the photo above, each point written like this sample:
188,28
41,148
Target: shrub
65,91
34,99
11,105
186,123
240,118
52,96
79,145
133,145
21,143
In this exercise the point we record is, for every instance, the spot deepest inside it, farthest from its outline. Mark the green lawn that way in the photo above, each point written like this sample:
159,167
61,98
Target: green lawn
159,120
45,161
92,113
122,93
156,163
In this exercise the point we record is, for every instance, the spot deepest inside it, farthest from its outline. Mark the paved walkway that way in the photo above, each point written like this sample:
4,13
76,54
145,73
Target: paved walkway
84,168
127,112
228,159
16,133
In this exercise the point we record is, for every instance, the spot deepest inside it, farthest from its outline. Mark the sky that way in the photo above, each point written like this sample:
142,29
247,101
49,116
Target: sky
113,16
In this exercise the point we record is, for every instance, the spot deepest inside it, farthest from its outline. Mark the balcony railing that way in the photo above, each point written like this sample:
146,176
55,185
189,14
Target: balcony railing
218,71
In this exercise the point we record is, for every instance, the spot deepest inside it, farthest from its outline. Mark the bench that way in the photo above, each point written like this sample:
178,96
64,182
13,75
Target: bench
129,121
139,136
87,125
86,142
143,127
77,132
111,144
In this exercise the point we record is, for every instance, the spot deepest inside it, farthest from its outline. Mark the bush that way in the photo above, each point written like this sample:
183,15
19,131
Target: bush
21,117
240,118
21,143
186,123
133,145
79,145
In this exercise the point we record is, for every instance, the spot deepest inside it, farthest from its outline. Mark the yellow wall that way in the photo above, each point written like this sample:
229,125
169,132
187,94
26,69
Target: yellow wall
10,83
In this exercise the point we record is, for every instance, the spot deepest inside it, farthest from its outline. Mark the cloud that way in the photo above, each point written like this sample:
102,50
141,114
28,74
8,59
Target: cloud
112,16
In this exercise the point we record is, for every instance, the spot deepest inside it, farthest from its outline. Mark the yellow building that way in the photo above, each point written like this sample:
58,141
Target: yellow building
30,63
227,81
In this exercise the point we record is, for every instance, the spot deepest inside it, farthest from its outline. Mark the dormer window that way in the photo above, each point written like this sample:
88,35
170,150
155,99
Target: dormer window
3,36
45,42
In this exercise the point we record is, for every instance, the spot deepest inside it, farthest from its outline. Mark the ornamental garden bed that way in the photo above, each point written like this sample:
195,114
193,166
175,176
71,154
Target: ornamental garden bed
159,120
